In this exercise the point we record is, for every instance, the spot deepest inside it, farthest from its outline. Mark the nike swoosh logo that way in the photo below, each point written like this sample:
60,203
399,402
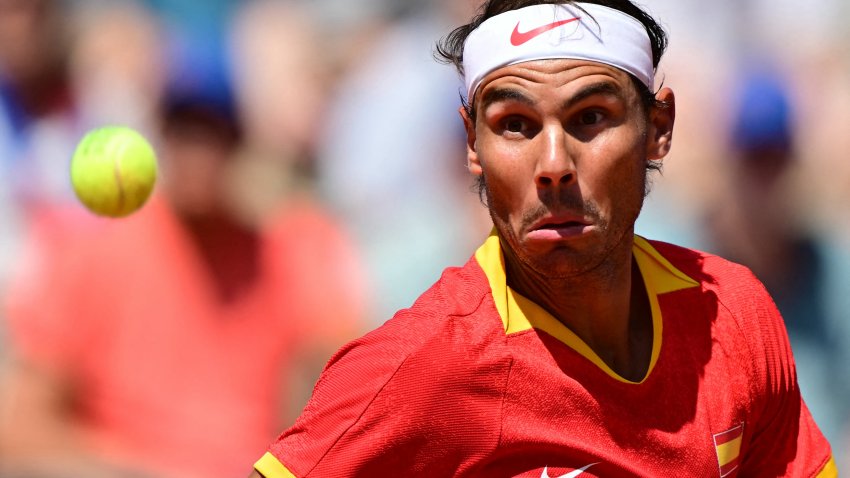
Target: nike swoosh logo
518,38
572,474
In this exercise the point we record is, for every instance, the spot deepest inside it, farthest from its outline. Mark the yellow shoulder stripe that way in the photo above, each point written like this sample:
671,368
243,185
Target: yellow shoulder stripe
830,470
270,467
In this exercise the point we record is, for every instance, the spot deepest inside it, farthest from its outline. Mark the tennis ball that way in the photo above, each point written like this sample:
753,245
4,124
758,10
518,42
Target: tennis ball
113,170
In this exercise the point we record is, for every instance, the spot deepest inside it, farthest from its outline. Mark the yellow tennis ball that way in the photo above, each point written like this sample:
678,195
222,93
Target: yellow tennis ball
113,170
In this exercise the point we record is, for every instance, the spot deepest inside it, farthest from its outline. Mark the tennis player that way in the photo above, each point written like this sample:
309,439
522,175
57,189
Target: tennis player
567,346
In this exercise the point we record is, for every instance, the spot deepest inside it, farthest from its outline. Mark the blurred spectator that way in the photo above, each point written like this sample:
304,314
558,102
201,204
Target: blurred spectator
117,64
64,67
391,159
38,120
37,124
38,117
671,212
758,221
178,341
281,68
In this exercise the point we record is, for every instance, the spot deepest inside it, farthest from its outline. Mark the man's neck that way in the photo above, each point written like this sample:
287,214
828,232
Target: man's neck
607,307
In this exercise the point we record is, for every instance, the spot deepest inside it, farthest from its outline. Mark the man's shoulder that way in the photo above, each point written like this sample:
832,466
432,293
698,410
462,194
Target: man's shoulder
459,291
431,338
735,291
458,300
710,270
394,383
458,295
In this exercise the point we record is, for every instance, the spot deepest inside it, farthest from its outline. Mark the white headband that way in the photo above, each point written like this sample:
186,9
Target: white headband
549,31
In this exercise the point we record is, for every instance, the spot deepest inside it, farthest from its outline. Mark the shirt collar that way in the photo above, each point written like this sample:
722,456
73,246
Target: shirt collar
519,313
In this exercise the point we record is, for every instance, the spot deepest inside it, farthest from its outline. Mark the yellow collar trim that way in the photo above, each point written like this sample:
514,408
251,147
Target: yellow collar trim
518,313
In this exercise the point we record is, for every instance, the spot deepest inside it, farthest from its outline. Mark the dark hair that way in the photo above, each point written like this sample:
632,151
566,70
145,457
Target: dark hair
449,49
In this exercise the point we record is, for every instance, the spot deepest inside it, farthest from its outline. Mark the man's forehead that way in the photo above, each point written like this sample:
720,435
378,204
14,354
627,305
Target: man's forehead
566,75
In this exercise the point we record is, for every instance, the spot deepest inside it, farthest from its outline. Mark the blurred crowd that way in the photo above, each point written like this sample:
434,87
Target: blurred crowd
313,182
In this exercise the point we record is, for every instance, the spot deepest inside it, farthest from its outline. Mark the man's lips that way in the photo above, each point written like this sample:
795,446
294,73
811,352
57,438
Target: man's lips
560,221
558,227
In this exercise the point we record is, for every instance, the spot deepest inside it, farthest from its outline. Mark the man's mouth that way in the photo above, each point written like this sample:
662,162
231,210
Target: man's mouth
561,225
560,222
558,227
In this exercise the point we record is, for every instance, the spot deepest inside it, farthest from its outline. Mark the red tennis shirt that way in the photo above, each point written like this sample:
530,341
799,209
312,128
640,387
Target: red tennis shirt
476,380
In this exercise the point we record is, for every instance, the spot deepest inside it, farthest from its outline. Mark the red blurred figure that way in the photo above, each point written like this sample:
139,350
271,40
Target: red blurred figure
177,341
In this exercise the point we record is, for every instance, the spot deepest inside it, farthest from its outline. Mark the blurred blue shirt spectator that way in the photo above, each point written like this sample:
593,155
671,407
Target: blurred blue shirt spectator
392,161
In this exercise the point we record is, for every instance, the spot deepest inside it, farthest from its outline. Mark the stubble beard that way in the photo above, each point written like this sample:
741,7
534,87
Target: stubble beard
565,262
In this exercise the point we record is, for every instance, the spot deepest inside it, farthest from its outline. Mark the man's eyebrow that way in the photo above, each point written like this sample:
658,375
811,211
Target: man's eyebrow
496,95
605,88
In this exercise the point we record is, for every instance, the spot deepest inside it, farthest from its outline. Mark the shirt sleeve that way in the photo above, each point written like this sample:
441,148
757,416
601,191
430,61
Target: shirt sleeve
347,388
785,440
404,400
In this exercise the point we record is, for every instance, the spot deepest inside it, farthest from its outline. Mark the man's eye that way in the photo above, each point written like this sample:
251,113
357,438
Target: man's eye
514,125
590,118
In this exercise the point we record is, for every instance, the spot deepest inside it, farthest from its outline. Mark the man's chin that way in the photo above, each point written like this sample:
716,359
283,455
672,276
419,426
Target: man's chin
565,260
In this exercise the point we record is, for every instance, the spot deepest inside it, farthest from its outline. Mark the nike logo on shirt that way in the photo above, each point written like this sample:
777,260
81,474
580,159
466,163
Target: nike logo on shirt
572,474
518,38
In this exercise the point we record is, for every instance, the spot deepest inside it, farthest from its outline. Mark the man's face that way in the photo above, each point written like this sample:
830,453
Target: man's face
563,145
197,156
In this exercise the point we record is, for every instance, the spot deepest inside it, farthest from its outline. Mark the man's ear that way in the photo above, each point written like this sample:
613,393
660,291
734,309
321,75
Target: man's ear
472,162
661,119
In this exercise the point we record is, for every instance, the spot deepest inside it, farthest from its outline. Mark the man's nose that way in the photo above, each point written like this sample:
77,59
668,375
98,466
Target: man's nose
555,166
